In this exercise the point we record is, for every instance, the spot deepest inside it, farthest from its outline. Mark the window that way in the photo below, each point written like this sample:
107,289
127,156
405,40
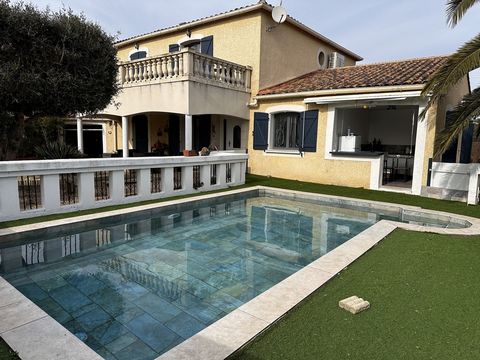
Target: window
284,131
321,59
138,55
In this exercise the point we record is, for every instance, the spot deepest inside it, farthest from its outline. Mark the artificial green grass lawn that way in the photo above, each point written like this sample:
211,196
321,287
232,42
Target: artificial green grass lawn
6,353
424,295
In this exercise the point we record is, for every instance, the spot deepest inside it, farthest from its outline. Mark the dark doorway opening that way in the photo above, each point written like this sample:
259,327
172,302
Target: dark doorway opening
140,131
201,131
174,135
92,139
237,137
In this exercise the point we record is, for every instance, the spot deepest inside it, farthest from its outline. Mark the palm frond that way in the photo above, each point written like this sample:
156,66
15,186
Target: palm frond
456,9
459,119
466,59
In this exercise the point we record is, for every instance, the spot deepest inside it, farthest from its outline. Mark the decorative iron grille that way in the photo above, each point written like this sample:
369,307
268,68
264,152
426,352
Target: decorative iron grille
177,178
213,174
156,180
29,193
228,173
197,183
68,189
130,177
102,185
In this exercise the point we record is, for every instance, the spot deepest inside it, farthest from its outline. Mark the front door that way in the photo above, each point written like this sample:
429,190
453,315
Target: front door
140,129
201,131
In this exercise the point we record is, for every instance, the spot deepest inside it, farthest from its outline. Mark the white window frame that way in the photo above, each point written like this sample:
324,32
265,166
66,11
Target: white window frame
271,114
138,50
187,40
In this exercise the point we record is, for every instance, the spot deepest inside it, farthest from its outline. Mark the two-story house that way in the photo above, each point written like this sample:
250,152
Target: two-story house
293,98
190,85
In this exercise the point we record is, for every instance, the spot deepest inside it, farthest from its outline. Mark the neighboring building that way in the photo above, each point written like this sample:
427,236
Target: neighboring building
295,99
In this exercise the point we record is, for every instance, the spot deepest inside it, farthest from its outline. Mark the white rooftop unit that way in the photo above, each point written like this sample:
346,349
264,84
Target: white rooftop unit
336,60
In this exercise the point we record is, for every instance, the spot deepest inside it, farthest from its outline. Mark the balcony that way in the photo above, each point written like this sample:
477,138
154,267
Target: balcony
184,82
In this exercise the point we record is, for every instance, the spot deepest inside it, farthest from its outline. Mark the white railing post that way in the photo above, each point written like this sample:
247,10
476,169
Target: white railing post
9,197
187,178
473,185
205,177
243,171
143,181
236,173
222,174
50,190
125,136
187,63
86,189
117,186
167,180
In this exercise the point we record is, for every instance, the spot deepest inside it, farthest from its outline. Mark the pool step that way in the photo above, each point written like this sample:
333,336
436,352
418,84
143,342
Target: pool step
354,304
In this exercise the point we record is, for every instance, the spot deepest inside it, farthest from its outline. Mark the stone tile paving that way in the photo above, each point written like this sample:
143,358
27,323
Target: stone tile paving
157,282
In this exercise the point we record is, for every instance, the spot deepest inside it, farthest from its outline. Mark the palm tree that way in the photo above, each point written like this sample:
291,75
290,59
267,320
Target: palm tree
458,65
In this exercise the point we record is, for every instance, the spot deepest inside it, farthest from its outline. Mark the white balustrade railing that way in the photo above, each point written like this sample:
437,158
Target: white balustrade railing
185,65
33,188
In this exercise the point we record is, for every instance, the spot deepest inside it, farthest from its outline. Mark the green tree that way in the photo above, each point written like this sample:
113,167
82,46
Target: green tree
52,64
459,65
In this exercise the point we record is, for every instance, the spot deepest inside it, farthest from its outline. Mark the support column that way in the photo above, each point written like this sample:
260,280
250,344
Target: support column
125,136
79,134
188,132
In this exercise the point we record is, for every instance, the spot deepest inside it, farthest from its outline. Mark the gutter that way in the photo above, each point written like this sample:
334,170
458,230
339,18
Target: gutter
364,90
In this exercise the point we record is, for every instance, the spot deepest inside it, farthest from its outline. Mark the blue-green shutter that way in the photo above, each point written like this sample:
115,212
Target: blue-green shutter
173,47
260,131
206,45
310,124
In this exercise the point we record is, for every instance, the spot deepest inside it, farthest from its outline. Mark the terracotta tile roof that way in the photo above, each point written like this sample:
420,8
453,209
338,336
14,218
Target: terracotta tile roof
405,72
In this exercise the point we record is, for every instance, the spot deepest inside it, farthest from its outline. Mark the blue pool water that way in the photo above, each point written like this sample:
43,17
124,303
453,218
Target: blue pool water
135,289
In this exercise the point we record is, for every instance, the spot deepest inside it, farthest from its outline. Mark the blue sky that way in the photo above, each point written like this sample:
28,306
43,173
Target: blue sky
378,30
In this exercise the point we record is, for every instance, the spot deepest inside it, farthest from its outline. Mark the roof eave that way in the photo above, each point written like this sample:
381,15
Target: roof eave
237,12
363,90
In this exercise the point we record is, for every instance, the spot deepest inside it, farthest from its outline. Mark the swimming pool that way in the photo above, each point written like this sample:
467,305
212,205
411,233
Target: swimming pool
136,286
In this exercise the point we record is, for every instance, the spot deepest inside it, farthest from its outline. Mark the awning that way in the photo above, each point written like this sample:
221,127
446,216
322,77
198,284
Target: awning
392,96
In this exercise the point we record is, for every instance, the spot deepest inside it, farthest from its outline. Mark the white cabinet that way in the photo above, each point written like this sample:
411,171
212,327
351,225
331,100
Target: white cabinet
350,143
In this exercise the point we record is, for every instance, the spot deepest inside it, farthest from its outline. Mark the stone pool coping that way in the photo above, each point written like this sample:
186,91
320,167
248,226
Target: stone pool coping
35,335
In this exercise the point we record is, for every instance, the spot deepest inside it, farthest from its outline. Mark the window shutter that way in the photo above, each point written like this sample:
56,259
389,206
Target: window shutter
310,125
173,47
206,45
260,131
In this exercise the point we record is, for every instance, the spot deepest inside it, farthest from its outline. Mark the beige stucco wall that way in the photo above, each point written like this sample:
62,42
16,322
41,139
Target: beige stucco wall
281,54
287,52
312,167
234,39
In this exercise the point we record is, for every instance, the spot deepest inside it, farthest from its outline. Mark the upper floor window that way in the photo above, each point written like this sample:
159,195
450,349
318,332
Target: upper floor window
197,43
139,54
